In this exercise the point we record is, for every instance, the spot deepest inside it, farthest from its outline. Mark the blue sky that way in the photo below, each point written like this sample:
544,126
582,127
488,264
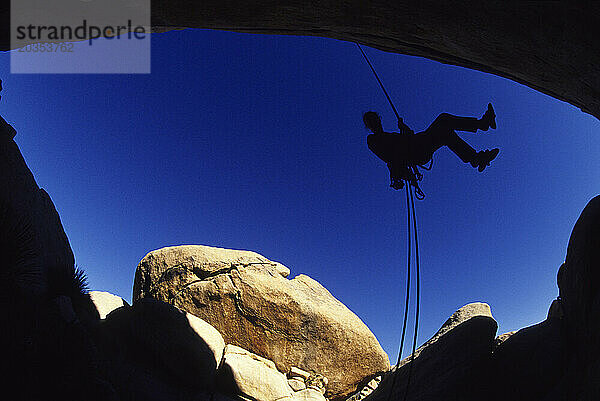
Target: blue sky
256,142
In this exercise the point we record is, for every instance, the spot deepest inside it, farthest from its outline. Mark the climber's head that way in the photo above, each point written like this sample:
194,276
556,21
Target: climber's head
373,122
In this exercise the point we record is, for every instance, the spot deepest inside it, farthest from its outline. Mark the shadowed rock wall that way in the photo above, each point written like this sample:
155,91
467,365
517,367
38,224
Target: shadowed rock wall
25,203
550,46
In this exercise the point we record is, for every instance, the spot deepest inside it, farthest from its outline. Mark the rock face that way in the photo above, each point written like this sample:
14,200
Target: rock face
253,377
446,367
547,46
154,351
47,313
555,360
309,394
157,352
527,364
366,390
248,299
579,285
37,247
579,277
106,302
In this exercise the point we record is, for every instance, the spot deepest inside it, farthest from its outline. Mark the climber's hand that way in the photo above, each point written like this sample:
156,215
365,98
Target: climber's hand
400,123
404,129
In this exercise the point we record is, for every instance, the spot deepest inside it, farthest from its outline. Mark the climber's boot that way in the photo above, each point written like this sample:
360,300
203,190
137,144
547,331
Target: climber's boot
483,158
488,120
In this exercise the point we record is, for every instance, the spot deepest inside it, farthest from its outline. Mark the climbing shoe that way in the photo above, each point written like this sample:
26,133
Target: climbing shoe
489,118
483,158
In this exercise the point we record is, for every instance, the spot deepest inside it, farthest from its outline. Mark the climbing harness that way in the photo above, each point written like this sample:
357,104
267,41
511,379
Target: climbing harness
412,191
414,175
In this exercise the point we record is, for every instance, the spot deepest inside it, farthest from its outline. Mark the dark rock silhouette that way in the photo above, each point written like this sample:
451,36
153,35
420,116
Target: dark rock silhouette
446,367
555,360
528,364
48,315
153,353
549,46
579,282
28,212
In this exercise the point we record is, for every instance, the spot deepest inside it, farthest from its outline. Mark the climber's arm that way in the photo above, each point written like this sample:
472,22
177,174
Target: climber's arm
404,129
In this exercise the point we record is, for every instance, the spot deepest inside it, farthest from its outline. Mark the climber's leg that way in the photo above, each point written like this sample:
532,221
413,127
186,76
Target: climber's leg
448,122
467,154
427,142
460,148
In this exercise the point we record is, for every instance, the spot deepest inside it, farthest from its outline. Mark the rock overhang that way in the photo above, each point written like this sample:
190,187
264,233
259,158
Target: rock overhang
551,47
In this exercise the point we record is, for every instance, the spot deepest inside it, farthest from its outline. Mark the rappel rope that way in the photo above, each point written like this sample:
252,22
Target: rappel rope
411,218
378,80
406,302
418,291
415,169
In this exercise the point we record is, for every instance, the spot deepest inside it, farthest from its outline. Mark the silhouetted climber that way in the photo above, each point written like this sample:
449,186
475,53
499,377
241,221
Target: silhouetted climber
405,150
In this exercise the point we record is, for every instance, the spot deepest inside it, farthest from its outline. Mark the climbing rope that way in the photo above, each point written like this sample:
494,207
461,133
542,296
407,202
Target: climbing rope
412,191
406,302
418,290
411,219
417,176
378,80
